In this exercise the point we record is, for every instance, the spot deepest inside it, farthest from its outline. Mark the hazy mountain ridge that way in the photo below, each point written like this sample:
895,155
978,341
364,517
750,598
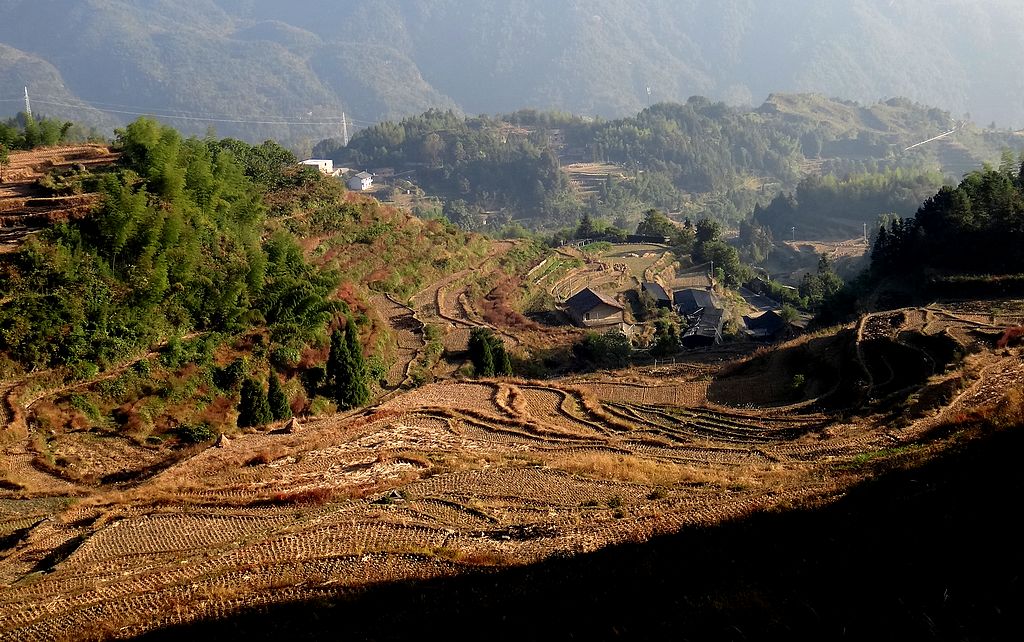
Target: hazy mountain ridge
308,61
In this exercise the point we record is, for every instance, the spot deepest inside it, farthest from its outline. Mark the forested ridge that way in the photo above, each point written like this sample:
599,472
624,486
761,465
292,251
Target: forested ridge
307,61
176,247
975,228
210,276
698,158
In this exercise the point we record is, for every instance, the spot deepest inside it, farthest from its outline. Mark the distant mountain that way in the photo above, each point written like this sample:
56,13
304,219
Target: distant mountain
212,62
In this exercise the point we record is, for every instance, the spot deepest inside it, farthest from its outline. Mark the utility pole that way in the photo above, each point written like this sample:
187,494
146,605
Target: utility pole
344,129
865,234
28,105
794,232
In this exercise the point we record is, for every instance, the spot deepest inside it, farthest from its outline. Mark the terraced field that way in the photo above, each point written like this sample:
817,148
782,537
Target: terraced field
25,207
445,479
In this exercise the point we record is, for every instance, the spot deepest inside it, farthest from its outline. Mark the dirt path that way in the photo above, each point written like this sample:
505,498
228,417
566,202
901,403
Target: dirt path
407,332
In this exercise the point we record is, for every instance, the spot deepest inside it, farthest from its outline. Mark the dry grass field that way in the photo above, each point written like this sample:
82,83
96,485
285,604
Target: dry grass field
456,477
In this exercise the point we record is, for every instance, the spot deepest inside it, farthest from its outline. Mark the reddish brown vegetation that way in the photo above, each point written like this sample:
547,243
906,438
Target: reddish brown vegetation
1011,337
218,412
497,311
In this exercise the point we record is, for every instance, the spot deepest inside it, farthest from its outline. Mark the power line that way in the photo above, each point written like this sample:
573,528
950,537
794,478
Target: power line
181,114
99,105
243,121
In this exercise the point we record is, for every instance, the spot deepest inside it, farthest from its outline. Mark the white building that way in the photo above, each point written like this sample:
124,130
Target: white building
326,166
360,182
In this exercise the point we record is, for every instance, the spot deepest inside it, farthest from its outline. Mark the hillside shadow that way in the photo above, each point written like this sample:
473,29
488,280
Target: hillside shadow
928,553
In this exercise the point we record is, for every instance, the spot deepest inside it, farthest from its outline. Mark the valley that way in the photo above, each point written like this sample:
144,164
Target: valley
530,402
460,475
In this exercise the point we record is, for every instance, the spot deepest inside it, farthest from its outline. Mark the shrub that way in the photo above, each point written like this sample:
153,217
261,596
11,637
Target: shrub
253,407
196,434
277,400
609,350
284,357
229,377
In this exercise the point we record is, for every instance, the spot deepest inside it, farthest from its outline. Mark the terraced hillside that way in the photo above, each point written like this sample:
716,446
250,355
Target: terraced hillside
26,207
457,477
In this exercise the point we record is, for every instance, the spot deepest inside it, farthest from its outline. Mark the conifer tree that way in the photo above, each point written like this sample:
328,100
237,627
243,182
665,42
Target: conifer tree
503,364
253,408
486,368
278,401
485,351
359,391
337,365
346,369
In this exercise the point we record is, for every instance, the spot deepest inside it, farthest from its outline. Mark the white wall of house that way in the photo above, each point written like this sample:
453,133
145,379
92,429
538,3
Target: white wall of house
326,166
601,315
360,183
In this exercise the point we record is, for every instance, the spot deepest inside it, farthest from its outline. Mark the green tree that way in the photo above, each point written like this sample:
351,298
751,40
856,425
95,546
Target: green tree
725,258
5,160
503,364
253,408
666,338
822,285
488,354
481,351
337,365
585,229
359,390
278,401
655,223
346,369
707,231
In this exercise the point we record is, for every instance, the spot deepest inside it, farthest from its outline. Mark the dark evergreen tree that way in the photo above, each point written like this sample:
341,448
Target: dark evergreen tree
278,401
338,365
358,388
253,408
346,369
503,363
585,229
487,352
486,368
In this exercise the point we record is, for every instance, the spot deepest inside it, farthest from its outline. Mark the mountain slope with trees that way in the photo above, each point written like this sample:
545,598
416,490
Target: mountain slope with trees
308,61
698,158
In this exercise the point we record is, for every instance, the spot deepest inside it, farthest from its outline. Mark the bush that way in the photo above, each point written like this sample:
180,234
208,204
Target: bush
285,358
313,379
230,376
609,350
196,434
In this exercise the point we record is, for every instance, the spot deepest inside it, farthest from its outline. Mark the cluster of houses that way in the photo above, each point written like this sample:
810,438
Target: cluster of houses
356,181
700,308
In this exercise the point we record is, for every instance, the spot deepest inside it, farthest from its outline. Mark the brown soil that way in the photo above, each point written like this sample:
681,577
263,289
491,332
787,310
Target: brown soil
456,476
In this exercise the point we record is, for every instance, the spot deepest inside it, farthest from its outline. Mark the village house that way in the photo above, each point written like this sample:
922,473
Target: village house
704,317
706,331
657,293
769,326
360,182
692,301
325,165
590,309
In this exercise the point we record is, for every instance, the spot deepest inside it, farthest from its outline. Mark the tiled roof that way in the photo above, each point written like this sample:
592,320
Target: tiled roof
586,300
